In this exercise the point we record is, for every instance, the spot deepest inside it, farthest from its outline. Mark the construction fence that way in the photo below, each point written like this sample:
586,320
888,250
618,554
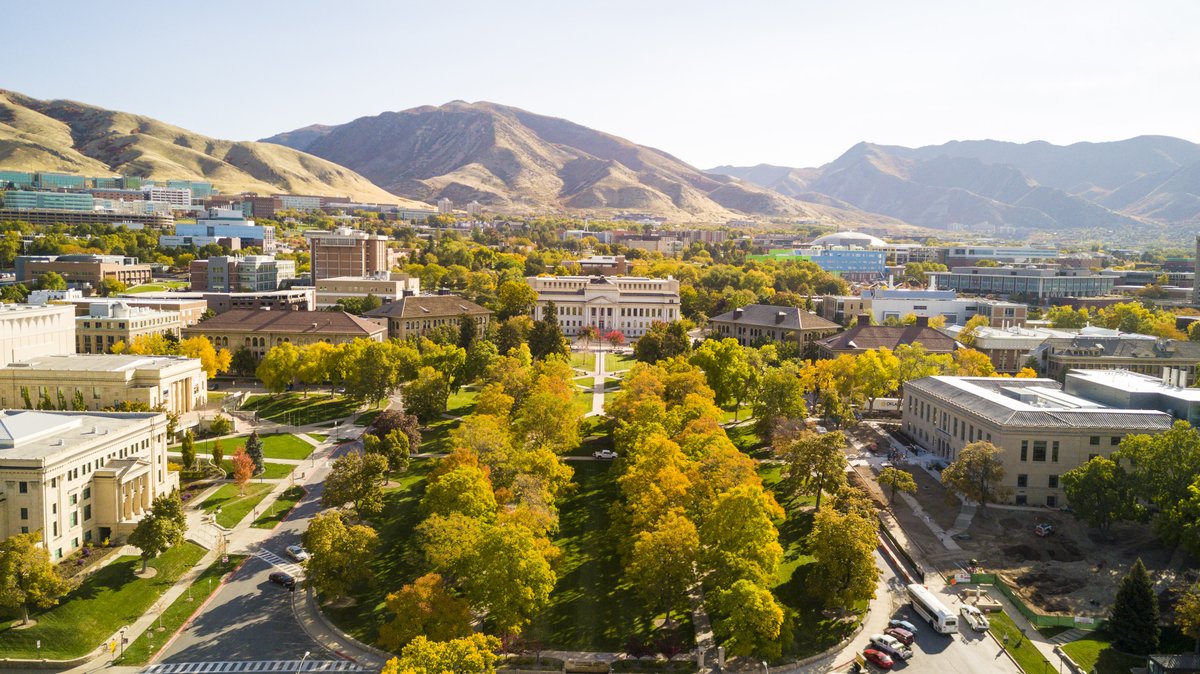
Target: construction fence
1036,619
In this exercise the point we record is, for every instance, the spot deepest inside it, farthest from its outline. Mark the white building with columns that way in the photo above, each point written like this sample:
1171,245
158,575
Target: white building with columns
628,304
80,477
29,331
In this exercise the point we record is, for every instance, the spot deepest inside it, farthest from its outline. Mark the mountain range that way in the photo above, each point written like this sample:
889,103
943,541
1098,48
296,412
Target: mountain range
72,137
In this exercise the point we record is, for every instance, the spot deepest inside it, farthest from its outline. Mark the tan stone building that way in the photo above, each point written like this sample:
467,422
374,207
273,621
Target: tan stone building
757,323
89,269
347,252
190,309
107,324
387,286
411,316
260,330
1043,430
80,477
106,380
629,304
28,331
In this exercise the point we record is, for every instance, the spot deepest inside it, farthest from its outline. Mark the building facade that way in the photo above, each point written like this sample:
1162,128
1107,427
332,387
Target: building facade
604,265
28,331
967,256
755,324
863,337
179,384
107,324
1142,354
80,477
416,316
84,269
235,273
1010,349
1035,284
68,216
226,223
387,286
74,201
347,252
628,304
258,330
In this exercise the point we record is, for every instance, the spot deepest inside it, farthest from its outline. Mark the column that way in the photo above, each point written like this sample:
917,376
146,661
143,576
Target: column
145,485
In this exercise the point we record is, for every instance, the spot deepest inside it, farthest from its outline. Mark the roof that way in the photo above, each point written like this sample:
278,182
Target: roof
426,306
1124,346
766,315
1183,661
34,435
866,337
100,362
1033,403
851,238
308,322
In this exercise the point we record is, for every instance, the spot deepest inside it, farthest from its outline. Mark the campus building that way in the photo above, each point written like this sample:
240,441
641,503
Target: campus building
80,477
107,324
234,273
417,315
83,269
1118,351
628,304
72,216
178,384
224,223
1010,349
1035,284
603,265
1042,428
259,330
387,286
74,201
967,256
756,323
347,252
896,303
29,331
863,337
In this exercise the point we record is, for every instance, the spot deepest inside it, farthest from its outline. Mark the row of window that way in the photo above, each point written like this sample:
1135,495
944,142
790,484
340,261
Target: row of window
1023,481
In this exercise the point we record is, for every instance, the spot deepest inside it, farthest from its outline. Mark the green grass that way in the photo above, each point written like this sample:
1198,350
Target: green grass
1096,651
158,287
462,403
364,419
283,505
584,360
141,650
234,507
583,400
620,361
271,471
319,437
1028,657
435,437
745,439
106,600
294,408
284,446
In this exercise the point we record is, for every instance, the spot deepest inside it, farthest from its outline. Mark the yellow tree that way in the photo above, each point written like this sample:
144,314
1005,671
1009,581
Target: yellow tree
474,654
844,545
971,363
967,334
877,373
213,362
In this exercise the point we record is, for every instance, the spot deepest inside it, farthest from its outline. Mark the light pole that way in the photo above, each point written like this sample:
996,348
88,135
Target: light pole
301,666
766,669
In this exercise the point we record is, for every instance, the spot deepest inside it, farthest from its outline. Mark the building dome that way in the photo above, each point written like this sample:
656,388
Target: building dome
848,239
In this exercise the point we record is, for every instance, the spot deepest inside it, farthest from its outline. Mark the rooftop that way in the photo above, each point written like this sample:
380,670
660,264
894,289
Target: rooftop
36,436
1124,346
767,315
425,306
99,362
1134,382
307,322
868,337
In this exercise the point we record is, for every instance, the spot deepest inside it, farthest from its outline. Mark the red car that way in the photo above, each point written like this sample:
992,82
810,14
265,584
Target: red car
878,658
902,635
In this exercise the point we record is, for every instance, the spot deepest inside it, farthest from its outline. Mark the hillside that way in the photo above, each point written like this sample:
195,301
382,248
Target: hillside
511,159
74,137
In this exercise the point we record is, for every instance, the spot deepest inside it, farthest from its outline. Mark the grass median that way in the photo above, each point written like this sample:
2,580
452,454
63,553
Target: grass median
140,651
1028,657
105,601
283,505
271,471
233,506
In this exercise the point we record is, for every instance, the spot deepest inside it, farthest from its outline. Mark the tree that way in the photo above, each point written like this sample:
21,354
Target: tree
662,341
898,480
508,576
1067,317
393,447
844,545
590,333
244,362
663,560
254,450
971,363
1100,493
355,478
725,367
426,397
340,555
546,338
155,534
750,621
376,369
243,468
474,654
447,542
916,362
877,373
315,364
187,448
468,331
424,608
464,490
815,464
977,473
110,286
614,338
170,507
51,281
738,537
514,298
1133,620
218,454
220,425
1187,614
28,579
1162,469
277,369
391,420
780,398
967,334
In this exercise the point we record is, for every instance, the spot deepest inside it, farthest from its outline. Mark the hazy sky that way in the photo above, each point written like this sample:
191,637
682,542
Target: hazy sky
785,82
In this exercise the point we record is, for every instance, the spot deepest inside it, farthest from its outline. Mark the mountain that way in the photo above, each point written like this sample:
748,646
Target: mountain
1135,183
74,137
511,159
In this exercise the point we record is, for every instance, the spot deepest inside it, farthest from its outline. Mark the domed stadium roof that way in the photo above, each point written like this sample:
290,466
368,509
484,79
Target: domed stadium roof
848,239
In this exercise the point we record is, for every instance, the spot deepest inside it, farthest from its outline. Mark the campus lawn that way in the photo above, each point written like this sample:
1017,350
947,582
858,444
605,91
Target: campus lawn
435,438
364,419
158,287
1096,652
140,651
275,446
293,408
319,437
584,360
583,400
747,440
1028,657
271,471
618,362
462,403
274,514
106,600
235,507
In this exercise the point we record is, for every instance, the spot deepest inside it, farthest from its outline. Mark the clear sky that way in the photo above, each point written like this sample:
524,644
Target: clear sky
730,82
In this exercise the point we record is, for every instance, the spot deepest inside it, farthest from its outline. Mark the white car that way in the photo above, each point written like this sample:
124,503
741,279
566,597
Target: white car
975,618
297,553
604,454
891,645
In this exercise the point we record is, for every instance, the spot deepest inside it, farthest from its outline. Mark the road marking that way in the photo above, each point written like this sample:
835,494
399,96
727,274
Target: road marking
275,560
254,666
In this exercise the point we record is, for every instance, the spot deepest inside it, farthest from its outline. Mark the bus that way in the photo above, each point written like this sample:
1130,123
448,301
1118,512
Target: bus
930,608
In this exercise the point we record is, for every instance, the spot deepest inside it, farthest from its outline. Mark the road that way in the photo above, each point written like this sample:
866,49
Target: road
251,618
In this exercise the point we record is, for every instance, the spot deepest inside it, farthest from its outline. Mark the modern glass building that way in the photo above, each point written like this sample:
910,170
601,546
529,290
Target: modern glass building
1033,283
63,200
16,179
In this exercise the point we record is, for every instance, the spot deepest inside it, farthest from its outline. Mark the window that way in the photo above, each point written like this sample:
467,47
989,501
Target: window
1094,440
1039,450
24,513
1022,499
1022,481
24,530
74,518
1114,440
1054,451
1053,482
74,498
1052,501
87,492
87,512
23,487
1024,450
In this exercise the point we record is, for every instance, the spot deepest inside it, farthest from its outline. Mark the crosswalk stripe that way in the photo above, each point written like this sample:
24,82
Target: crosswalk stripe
274,666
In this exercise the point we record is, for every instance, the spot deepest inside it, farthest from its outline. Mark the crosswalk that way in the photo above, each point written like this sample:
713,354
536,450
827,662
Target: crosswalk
254,667
295,570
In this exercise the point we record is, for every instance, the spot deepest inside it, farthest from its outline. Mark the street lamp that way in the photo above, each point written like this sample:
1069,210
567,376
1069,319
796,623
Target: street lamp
301,666
766,669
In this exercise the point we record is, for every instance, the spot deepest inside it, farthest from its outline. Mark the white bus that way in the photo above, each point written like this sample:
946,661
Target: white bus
925,603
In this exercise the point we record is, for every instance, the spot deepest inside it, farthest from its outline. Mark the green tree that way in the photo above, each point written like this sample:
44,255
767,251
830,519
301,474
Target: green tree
662,564
110,286
780,398
474,654
340,554
1100,493
378,368
815,464
315,364
977,473
750,621
355,478
468,331
738,537
277,369
663,341
1067,317
514,298
447,542
1133,620
1187,614
464,490
244,362
254,450
425,608
877,373
726,368
508,576
218,454
844,545
426,398
546,338
155,534
51,281
393,447
916,362
897,480
220,425
28,579
1162,468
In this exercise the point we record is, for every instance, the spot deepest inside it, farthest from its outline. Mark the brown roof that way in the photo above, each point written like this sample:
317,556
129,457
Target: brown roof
428,306
866,337
770,316
309,322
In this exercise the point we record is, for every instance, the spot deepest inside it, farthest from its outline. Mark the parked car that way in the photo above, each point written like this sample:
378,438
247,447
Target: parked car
284,579
604,454
297,553
902,635
878,658
891,646
903,624
975,618
1044,529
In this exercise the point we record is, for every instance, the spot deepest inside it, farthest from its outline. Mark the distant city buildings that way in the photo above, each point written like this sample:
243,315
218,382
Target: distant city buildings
629,304
230,273
347,252
83,269
1034,284
221,223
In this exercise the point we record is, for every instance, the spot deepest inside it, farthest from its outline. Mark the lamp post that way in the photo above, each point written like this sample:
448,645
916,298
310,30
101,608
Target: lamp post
766,669
301,665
